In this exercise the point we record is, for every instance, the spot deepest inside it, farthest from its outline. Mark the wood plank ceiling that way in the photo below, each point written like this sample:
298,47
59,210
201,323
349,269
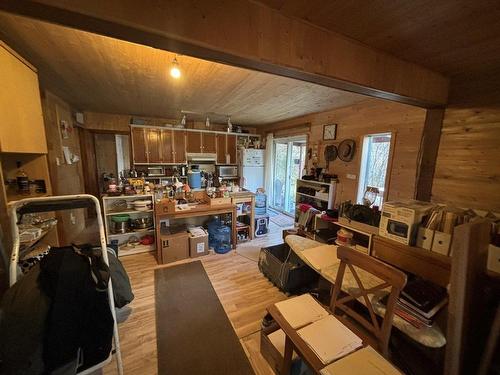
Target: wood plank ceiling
102,74
460,39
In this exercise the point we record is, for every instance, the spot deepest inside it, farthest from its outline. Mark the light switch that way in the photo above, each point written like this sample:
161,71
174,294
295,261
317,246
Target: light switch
351,176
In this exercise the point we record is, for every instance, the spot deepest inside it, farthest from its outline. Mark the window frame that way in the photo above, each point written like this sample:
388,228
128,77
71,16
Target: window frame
363,161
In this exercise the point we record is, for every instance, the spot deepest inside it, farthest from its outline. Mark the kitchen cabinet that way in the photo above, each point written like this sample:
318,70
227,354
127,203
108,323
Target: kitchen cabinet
231,148
139,149
154,146
208,143
221,148
226,145
22,129
167,146
193,143
179,142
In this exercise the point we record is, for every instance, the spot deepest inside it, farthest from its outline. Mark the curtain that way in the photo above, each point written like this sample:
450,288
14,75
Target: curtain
268,176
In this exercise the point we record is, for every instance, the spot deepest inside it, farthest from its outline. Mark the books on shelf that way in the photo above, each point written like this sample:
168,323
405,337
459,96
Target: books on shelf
330,339
302,310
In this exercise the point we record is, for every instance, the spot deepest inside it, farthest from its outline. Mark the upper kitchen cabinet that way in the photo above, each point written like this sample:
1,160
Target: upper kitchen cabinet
179,142
209,143
139,148
154,146
226,149
22,129
167,148
193,144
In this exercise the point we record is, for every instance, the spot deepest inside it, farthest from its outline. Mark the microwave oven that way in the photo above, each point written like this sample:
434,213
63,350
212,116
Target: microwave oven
227,171
400,220
156,171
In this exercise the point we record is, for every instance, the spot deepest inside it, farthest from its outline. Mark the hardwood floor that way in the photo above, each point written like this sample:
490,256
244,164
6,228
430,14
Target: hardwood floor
243,291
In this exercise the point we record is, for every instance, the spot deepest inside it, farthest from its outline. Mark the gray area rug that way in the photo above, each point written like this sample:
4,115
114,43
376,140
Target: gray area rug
194,334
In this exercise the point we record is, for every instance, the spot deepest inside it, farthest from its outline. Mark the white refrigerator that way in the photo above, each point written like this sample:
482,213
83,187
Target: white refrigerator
251,163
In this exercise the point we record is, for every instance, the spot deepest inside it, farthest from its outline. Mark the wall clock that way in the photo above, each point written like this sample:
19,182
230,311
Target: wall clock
329,132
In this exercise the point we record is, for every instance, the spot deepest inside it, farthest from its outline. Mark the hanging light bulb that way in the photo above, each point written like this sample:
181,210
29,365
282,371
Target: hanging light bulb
175,72
207,122
229,124
183,120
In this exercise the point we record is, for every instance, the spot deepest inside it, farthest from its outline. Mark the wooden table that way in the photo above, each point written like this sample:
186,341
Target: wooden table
196,211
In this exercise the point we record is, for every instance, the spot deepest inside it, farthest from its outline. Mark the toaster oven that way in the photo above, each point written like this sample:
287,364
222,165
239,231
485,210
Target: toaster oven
400,220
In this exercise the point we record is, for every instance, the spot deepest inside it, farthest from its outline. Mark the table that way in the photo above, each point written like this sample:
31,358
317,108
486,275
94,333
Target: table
196,211
431,337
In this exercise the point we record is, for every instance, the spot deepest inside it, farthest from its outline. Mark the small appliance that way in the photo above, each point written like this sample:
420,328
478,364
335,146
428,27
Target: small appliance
227,171
400,220
156,171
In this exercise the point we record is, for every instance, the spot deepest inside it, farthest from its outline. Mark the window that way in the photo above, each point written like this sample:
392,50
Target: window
374,160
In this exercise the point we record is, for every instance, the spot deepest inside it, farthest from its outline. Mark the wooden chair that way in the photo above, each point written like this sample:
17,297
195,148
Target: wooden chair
376,330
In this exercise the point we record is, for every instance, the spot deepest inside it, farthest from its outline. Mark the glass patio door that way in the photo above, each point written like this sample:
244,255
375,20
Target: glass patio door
289,161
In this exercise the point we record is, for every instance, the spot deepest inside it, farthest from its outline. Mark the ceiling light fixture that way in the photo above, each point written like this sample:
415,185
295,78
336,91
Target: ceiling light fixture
183,120
229,124
207,122
175,72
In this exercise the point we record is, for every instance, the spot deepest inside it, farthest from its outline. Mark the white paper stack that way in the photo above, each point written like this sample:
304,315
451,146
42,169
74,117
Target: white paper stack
330,339
321,257
302,310
365,361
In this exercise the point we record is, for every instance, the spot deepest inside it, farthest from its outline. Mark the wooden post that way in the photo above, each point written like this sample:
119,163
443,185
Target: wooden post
429,146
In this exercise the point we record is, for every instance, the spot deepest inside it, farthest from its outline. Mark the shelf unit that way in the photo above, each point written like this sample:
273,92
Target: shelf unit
248,217
122,238
304,194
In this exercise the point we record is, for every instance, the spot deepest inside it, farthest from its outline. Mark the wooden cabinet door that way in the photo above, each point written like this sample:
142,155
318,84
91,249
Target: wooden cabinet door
231,148
221,148
193,142
22,129
179,142
139,150
167,141
154,145
209,143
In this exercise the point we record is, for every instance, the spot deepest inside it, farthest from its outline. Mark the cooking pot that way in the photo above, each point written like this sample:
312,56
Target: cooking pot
141,222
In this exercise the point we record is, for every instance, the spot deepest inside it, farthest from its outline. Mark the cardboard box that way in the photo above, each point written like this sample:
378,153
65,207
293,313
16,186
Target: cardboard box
441,243
174,246
198,243
494,259
425,236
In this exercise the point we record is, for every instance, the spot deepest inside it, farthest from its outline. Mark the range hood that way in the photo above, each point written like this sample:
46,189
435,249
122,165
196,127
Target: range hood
198,157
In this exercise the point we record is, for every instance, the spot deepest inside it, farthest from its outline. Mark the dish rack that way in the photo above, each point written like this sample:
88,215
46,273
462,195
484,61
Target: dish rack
129,242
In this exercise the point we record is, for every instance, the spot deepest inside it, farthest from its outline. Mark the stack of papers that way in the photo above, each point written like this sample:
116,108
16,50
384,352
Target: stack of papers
302,310
321,257
365,361
329,339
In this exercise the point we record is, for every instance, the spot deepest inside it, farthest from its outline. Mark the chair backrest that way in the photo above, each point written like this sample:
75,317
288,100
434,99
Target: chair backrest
376,331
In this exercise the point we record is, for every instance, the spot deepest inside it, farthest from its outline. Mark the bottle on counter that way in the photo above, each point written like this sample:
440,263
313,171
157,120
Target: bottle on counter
23,183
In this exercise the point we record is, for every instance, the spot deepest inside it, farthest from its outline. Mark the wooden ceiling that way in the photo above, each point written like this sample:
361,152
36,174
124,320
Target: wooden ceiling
102,74
460,39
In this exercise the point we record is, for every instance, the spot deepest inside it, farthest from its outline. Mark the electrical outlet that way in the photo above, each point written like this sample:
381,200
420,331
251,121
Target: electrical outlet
58,161
351,176
72,218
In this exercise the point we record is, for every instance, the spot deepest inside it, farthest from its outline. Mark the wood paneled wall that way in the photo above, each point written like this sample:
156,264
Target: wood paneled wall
65,178
369,117
468,163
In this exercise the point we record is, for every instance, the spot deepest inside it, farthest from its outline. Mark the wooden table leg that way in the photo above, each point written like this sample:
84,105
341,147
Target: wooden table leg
287,358
234,217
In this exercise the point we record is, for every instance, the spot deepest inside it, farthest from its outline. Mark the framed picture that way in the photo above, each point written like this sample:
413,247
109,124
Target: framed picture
329,132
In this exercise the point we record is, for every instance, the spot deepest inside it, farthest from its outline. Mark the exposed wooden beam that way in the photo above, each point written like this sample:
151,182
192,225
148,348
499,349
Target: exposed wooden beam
429,146
249,35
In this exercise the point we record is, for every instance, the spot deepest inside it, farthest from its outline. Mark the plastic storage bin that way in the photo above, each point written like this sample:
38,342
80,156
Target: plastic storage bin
285,269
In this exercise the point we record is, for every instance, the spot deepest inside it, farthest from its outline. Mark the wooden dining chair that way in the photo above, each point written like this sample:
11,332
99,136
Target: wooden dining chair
374,330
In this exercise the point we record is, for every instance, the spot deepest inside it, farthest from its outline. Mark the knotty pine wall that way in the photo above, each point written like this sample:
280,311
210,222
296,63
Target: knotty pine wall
368,117
468,163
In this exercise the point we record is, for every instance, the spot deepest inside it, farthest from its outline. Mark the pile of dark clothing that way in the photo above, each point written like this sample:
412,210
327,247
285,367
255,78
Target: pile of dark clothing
57,319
